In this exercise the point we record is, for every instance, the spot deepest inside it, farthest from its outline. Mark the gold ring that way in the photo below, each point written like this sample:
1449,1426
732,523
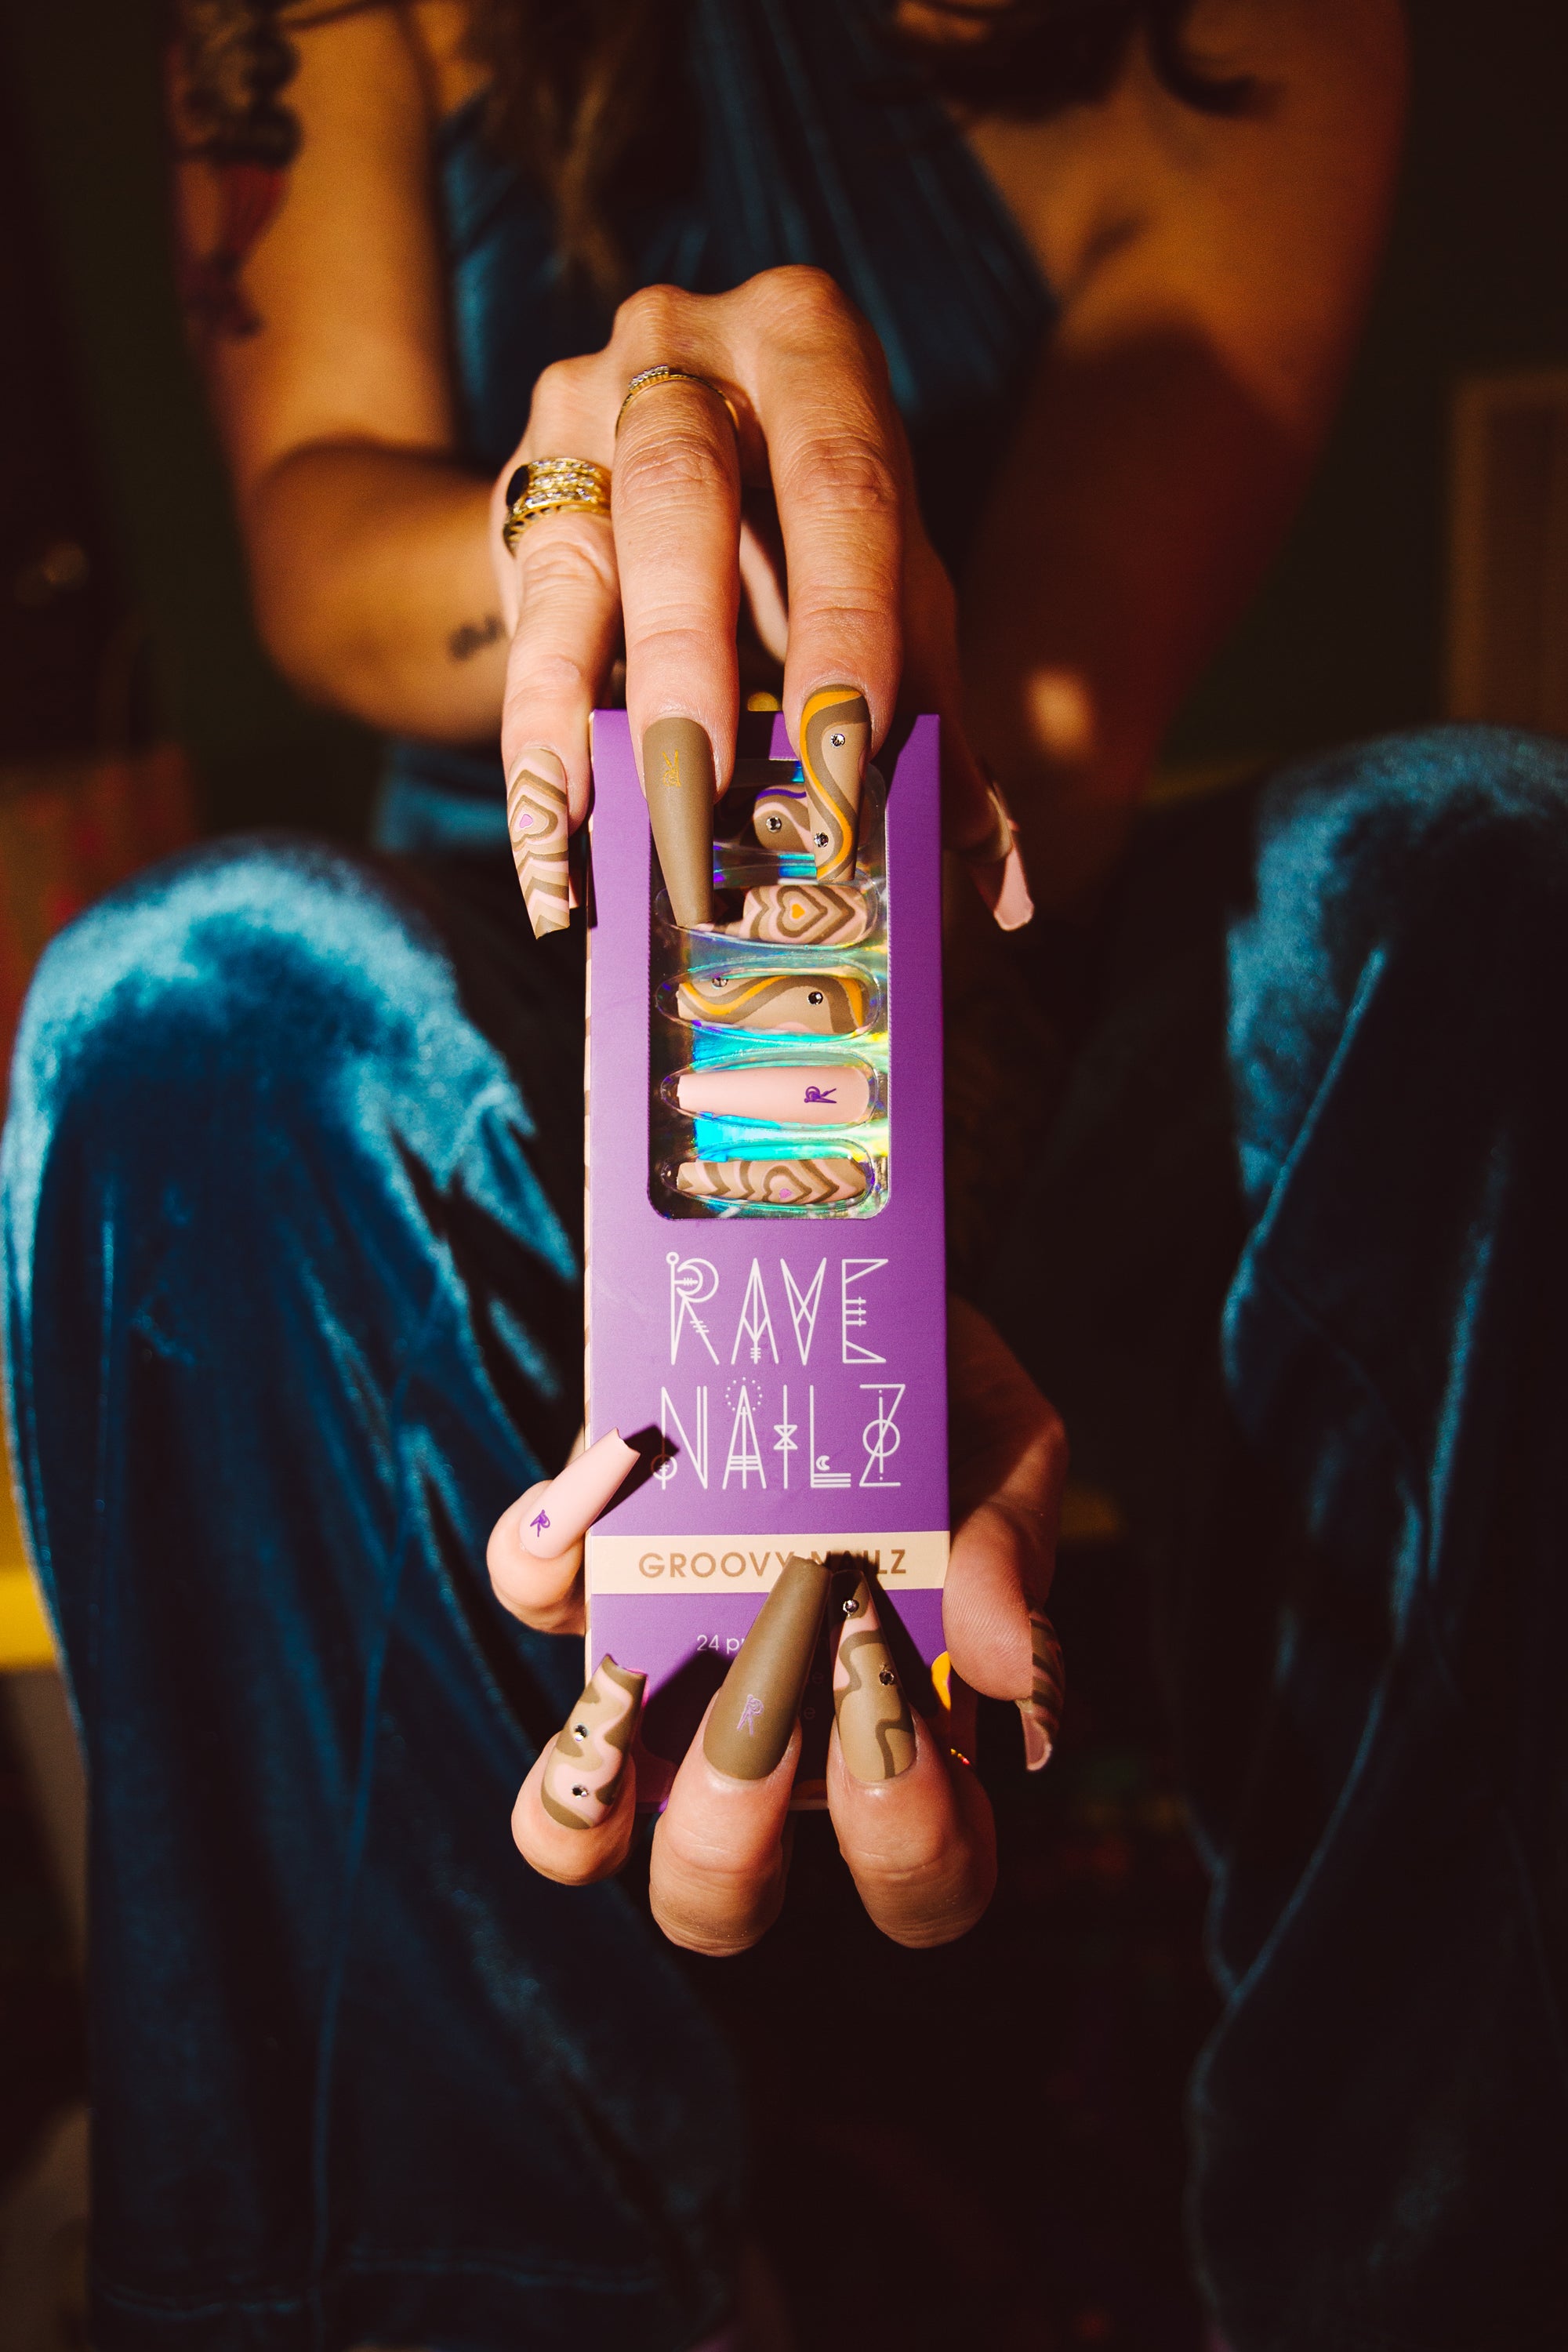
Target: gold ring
553,485
652,378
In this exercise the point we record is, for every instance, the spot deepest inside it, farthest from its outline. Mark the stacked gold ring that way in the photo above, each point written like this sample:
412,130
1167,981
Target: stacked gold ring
651,379
553,485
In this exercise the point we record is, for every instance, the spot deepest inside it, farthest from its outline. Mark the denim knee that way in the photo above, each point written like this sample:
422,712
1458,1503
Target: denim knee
279,987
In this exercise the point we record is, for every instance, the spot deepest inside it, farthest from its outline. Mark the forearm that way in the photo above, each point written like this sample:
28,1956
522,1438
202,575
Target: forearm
374,588
1146,495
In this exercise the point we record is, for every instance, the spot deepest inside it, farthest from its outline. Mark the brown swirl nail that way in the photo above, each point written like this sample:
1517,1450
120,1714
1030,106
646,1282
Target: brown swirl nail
875,1729
835,737
790,1005
774,1184
803,914
536,819
582,1771
1041,1712
678,782
782,821
754,1713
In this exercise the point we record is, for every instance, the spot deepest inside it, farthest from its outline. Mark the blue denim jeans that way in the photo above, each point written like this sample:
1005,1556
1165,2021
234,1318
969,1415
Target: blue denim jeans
292,1192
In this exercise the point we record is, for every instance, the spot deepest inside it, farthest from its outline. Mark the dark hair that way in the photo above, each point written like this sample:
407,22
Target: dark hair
579,88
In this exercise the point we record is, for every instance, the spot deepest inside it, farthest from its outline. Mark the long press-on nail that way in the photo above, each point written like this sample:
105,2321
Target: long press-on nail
803,914
562,1512
582,1771
997,866
774,1184
791,1005
834,738
875,1729
749,1724
1041,1712
536,823
782,821
679,779
802,1094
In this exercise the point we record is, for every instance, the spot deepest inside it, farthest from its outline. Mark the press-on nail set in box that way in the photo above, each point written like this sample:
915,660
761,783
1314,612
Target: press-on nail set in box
766,1267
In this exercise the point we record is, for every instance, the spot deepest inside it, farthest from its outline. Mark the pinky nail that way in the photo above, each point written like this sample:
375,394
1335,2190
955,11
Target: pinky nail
563,1514
997,866
536,818
583,1770
875,1729
1041,1712
834,738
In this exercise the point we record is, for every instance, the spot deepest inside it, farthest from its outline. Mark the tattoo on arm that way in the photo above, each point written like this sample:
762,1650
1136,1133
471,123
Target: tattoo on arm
473,638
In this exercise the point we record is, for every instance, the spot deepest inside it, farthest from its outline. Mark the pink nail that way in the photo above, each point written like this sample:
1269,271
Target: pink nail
568,1506
831,1093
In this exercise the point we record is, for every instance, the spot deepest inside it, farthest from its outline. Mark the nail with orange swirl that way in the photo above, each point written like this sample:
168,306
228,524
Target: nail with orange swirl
875,1729
834,738
774,1183
782,821
536,822
804,1094
582,1772
793,1004
803,914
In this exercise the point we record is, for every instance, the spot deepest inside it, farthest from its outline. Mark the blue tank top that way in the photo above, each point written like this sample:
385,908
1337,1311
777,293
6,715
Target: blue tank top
812,149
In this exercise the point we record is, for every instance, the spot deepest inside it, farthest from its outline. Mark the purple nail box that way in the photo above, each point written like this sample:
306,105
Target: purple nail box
792,1362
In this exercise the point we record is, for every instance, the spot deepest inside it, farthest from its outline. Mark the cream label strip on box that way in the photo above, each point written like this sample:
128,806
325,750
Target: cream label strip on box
750,1564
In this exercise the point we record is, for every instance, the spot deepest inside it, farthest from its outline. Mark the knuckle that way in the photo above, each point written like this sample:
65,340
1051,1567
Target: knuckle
561,389
805,295
649,315
564,556
666,461
560,676
842,473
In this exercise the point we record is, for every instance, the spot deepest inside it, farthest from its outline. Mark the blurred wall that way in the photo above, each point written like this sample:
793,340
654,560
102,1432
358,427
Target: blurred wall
1347,636
86,80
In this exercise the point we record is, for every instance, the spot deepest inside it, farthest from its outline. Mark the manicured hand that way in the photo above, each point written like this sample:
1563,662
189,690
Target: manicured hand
913,1822
790,484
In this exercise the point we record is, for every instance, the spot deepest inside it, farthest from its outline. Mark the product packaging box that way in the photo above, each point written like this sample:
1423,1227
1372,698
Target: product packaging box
766,1314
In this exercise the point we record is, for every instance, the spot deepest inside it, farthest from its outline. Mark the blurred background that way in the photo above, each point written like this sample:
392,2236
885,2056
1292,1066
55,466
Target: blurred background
1426,577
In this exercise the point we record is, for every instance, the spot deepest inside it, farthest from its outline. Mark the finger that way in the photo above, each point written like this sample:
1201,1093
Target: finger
718,1864
535,1551
841,483
1010,1460
576,1811
560,596
977,824
717,1871
919,1844
678,523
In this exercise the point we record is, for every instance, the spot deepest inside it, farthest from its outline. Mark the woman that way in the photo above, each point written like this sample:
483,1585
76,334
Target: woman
1055,301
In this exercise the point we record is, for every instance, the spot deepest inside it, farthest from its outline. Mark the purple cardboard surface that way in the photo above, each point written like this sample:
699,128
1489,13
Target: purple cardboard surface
792,1363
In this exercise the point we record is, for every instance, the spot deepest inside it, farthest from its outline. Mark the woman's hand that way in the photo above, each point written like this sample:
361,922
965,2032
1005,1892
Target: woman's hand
912,1821
774,466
